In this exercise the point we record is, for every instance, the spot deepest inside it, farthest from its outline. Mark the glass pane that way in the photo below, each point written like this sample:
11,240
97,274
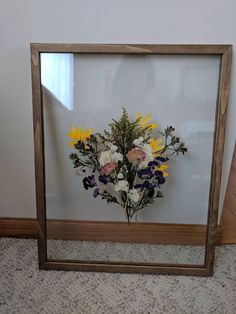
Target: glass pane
125,252
180,91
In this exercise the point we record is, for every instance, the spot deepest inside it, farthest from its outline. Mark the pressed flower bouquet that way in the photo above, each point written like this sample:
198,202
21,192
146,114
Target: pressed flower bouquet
125,165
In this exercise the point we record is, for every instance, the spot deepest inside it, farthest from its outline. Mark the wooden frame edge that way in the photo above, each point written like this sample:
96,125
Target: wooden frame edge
218,151
196,270
132,48
226,55
39,152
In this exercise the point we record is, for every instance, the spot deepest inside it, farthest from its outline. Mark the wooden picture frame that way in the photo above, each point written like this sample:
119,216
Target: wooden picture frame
225,52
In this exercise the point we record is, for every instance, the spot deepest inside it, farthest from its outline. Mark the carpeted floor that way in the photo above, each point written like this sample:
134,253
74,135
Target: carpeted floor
24,289
126,252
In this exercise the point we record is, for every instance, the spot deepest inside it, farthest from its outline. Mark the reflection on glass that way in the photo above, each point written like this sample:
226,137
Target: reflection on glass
177,90
57,76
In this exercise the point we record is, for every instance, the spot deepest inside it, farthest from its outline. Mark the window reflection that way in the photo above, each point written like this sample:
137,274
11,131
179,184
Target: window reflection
57,76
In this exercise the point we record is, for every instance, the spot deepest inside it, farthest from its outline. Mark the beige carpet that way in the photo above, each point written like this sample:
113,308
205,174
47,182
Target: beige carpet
125,252
24,289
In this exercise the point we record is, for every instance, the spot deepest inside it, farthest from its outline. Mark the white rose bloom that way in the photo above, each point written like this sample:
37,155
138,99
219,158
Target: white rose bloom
138,141
122,185
134,195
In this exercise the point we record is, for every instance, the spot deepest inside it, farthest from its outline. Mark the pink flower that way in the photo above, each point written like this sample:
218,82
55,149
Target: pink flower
136,154
108,167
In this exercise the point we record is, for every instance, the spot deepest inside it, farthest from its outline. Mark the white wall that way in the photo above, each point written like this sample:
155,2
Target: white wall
104,21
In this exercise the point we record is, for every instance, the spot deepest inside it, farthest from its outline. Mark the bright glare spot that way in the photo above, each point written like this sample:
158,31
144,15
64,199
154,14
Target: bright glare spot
57,76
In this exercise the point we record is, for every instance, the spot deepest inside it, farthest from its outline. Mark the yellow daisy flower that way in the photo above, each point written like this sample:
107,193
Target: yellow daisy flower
145,121
78,135
162,168
156,147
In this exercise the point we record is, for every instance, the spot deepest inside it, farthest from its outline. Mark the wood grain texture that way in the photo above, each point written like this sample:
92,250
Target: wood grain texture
131,48
228,218
164,269
179,234
39,152
19,227
218,150
134,233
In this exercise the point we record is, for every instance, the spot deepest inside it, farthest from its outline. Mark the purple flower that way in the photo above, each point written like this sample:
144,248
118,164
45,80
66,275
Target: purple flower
162,159
105,179
145,185
145,173
159,177
153,163
89,182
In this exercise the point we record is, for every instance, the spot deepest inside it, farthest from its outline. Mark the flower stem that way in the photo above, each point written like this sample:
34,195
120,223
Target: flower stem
126,210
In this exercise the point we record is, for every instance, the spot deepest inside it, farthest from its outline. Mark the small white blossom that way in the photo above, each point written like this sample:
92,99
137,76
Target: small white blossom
113,148
134,195
120,175
149,156
108,144
122,185
147,149
117,157
105,158
138,141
